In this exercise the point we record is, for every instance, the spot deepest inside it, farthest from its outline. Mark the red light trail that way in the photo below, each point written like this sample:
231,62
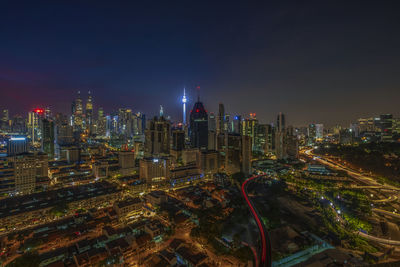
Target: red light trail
264,260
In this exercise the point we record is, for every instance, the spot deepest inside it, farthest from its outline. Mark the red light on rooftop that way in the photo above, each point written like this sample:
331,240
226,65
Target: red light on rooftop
38,110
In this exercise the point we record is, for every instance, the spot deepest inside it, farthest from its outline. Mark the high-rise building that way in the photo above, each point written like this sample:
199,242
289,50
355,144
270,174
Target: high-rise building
198,130
235,152
386,125
226,123
346,137
47,113
157,137
5,121
319,131
17,145
126,161
18,125
65,134
212,125
48,137
221,118
312,134
125,124
280,122
264,135
178,140
77,113
5,116
154,170
366,125
292,143
396,126
212,140
101,122
33,125
236,124
27,168
89,113
249,128
246,155
281,137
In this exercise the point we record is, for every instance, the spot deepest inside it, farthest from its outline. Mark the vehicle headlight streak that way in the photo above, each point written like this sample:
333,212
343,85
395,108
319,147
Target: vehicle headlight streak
264,235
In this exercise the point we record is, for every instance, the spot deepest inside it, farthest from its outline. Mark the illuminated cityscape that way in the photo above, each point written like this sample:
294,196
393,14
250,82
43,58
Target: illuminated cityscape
282,150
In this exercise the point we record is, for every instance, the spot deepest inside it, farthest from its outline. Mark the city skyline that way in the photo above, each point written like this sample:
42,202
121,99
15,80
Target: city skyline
178,117
265,58
199,134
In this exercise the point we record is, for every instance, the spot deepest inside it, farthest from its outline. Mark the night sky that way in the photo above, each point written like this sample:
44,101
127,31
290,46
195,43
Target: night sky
316,61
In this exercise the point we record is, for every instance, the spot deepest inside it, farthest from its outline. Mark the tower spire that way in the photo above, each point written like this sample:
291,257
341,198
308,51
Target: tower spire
184,100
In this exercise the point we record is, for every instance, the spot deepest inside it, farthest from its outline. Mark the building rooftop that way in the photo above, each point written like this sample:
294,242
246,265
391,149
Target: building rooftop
20,204
128,202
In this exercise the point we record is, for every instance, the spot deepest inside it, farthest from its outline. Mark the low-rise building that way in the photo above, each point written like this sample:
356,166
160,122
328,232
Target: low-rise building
128,208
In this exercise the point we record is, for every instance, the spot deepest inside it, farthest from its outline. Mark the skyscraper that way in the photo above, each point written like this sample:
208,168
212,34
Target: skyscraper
89,112
312,134
184,100
77,113
280,122
157,137
198,130
178,140
386,123
5,116
221,118
18,125
4,123
33,125
48,137
280,137
249,128
212,125
17,145
236,124
319,131
27,168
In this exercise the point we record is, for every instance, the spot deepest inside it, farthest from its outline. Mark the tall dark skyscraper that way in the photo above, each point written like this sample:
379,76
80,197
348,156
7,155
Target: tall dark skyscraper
48,137
198,130
178,140
280,122
221,118
280,137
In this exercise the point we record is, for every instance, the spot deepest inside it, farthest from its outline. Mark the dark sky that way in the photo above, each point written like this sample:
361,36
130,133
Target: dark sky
316,61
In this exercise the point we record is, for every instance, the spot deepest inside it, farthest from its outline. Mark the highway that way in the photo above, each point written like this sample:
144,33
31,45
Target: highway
264,259
371,184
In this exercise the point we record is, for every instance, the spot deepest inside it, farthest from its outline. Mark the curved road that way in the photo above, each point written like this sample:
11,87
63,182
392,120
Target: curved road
263,260
371,184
